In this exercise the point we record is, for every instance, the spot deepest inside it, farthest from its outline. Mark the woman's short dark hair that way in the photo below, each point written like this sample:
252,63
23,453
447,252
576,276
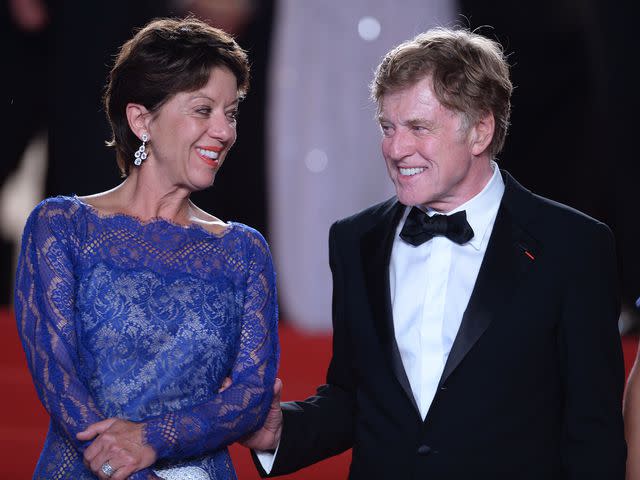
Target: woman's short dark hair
165,57
469,72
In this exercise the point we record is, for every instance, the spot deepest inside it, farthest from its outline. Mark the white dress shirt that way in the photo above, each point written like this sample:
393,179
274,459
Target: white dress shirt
430,287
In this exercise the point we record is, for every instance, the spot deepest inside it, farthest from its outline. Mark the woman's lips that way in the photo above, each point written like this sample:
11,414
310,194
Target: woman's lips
209,155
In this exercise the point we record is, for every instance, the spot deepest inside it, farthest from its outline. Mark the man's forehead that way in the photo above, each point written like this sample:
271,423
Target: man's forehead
415,96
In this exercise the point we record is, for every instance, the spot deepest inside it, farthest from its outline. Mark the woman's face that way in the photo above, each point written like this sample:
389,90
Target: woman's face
191,134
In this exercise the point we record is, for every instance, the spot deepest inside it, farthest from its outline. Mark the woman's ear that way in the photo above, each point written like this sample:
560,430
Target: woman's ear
138,118
482,134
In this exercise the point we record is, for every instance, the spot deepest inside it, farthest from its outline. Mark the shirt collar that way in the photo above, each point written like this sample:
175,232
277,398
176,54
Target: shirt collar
481,210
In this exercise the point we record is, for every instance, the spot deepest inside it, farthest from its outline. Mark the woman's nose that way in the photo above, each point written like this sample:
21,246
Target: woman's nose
221,128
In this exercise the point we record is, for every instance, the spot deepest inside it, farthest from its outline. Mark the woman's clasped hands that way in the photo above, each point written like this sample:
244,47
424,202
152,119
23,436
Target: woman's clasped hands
117,450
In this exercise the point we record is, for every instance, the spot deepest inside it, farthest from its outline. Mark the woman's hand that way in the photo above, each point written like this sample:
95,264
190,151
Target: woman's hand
226,383
121,444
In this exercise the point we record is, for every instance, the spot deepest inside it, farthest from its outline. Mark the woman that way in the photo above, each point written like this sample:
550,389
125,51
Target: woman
134,305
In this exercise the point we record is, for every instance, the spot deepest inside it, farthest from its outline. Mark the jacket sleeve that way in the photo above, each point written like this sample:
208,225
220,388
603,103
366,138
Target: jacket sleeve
322,425
592,363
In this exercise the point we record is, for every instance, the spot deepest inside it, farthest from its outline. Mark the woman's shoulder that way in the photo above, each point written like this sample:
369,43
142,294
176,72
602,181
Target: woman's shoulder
58,208
249,233
220,229
255,246
57,202
54,218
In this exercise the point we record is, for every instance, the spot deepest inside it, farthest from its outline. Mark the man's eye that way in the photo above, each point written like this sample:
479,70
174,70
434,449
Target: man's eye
203,110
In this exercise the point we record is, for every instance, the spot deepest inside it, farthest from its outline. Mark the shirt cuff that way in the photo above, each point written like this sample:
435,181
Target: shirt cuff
266,458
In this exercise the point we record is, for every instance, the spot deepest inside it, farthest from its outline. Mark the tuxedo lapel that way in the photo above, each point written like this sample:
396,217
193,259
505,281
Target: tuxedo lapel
511,252
376,248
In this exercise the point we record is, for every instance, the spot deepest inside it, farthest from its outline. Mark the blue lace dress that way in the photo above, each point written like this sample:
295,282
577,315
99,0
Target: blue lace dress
143,321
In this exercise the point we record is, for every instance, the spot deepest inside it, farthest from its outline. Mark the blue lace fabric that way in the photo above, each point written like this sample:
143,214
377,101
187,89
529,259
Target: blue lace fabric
143,321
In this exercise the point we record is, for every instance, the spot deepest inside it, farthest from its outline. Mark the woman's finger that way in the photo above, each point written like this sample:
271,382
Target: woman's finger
95,429
226,383
91,452
121,462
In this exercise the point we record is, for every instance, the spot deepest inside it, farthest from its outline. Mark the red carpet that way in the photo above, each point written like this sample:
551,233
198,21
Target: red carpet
23,421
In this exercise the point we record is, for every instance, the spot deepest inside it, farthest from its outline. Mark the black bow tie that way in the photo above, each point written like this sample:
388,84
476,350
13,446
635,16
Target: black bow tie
420,227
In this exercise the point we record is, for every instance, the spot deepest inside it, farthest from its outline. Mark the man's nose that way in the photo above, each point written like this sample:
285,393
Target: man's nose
401,145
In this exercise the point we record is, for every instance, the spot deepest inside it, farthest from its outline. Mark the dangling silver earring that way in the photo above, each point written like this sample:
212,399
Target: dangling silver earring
141,154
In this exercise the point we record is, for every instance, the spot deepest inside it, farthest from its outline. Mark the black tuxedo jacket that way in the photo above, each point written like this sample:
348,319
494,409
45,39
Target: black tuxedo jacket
532,388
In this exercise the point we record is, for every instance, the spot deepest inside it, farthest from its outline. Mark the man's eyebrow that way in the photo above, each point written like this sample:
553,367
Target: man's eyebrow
412,121
419,121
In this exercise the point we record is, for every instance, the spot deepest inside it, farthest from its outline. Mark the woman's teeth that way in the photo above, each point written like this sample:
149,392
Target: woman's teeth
208,153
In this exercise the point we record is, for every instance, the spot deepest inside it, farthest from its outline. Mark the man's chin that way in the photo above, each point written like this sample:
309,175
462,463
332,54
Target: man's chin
409,199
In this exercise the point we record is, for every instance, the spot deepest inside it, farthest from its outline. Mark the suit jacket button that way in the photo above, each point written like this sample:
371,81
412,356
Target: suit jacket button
424,450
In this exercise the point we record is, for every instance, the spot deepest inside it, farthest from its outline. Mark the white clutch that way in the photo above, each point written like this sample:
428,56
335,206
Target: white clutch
183,473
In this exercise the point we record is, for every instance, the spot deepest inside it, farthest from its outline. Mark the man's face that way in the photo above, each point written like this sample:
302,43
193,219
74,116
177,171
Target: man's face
431,159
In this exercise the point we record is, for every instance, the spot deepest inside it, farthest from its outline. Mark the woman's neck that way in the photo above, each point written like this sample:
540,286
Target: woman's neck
138,199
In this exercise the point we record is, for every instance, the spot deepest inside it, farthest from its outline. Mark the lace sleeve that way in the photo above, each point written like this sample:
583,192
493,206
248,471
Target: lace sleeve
243,407
44,305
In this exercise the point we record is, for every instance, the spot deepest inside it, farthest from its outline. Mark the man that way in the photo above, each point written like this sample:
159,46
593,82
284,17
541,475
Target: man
475,323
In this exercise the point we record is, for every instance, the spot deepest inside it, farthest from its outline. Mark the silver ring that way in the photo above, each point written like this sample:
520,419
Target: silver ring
107,469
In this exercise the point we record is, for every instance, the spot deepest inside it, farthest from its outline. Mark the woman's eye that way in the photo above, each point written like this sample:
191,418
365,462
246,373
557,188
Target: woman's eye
203,110
232,115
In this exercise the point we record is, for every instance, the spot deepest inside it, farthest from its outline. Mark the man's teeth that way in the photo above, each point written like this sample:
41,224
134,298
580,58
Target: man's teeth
208,153
411,171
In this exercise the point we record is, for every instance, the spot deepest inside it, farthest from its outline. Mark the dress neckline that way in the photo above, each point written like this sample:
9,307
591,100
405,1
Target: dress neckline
93,211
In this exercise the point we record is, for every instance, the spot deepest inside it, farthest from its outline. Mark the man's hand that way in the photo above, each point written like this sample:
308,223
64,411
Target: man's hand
268,437
120,443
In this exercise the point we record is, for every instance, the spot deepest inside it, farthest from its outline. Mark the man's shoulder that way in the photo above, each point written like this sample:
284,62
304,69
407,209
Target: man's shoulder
539,212
563,211
370,216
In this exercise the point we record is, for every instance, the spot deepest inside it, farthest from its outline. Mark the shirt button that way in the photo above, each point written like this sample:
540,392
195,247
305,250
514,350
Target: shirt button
424,450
